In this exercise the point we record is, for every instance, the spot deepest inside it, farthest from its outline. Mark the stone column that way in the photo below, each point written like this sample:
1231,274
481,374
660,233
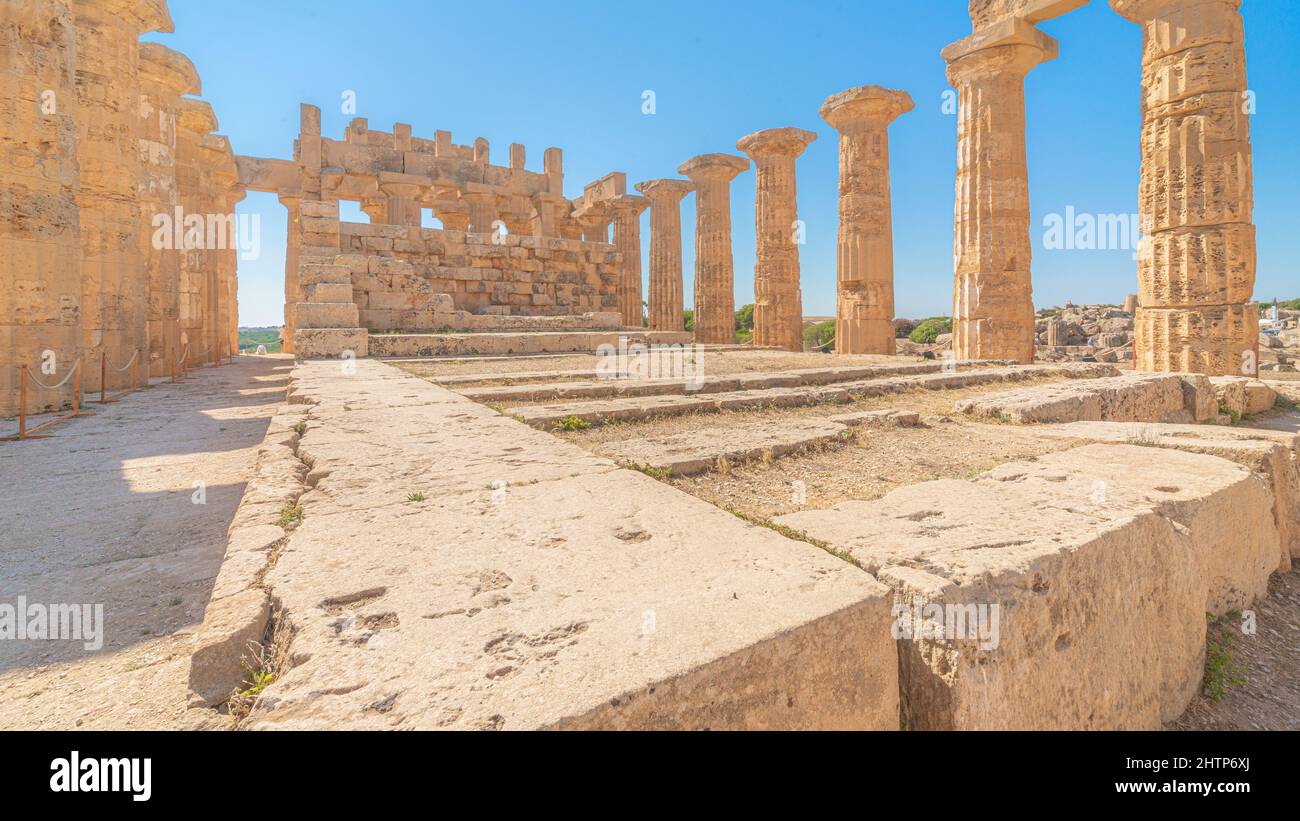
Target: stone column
715,298
778,303
40,252
627,210
376,208
165,75
864,316
115,288
993,305
403,203
195,121
482,210
1196,267
595,223
292,293
666,299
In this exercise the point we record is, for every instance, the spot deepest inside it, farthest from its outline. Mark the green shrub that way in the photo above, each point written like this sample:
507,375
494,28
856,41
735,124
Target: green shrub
745,318
688,320
819,337
929,330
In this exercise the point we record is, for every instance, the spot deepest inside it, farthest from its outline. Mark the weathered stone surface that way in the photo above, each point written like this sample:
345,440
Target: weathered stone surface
40,244
706,448
1129,398
1243,396
864,321
778,302
1196,267
1272,455
608,610
232,629
1103,561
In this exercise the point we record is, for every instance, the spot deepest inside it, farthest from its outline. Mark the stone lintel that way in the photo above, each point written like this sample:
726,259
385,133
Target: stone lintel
864,106
727,166
778,141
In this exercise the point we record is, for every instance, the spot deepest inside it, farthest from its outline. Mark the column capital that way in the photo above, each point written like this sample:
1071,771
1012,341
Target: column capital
629,202
169,68
143,15
865,107
1145,11
788,142
714,166
665,190
195,116
1011,45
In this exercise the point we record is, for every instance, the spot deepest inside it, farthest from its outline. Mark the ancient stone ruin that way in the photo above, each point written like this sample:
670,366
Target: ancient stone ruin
499,484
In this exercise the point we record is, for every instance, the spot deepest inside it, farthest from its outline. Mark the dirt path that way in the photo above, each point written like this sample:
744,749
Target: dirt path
128,509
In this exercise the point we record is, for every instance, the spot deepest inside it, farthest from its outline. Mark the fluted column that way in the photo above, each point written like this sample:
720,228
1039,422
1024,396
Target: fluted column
1196,267
115,288
993,305
666,297
864,315
40,254
292,291
195,121
482,210
715,298
165,75
627,210
778,303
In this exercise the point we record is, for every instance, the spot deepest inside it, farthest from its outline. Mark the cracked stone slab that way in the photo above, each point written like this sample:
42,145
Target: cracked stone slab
602,599
1272,455
702,449
1102,560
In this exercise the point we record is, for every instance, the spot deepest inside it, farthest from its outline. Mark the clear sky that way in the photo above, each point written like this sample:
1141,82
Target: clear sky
573,74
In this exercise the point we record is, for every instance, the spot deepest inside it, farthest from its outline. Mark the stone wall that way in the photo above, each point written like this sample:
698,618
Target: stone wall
400,273
100,149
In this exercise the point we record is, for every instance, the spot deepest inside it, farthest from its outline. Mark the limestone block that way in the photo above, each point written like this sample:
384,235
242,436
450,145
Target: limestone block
1103,561
232,626
316,343
1272,455
326,315
329,292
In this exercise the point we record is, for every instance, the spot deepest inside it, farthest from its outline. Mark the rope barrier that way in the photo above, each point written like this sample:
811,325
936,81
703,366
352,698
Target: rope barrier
71,371
130,362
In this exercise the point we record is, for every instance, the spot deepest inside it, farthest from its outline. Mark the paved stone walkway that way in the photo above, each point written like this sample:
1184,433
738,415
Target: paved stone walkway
104,512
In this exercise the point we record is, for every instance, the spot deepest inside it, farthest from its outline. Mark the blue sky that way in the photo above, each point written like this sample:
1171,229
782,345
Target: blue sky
572,74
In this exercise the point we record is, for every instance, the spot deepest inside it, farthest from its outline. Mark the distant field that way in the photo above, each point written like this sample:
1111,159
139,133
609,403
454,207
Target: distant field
252,337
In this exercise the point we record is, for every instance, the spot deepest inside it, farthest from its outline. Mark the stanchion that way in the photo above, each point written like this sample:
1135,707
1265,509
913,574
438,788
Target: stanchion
104,398
36,433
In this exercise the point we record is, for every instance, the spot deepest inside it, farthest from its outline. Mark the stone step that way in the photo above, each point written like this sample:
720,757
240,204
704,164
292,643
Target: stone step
702,449
473,344
1102,562
1272,455
612,384
456,570
625,408
1137,397
705,448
